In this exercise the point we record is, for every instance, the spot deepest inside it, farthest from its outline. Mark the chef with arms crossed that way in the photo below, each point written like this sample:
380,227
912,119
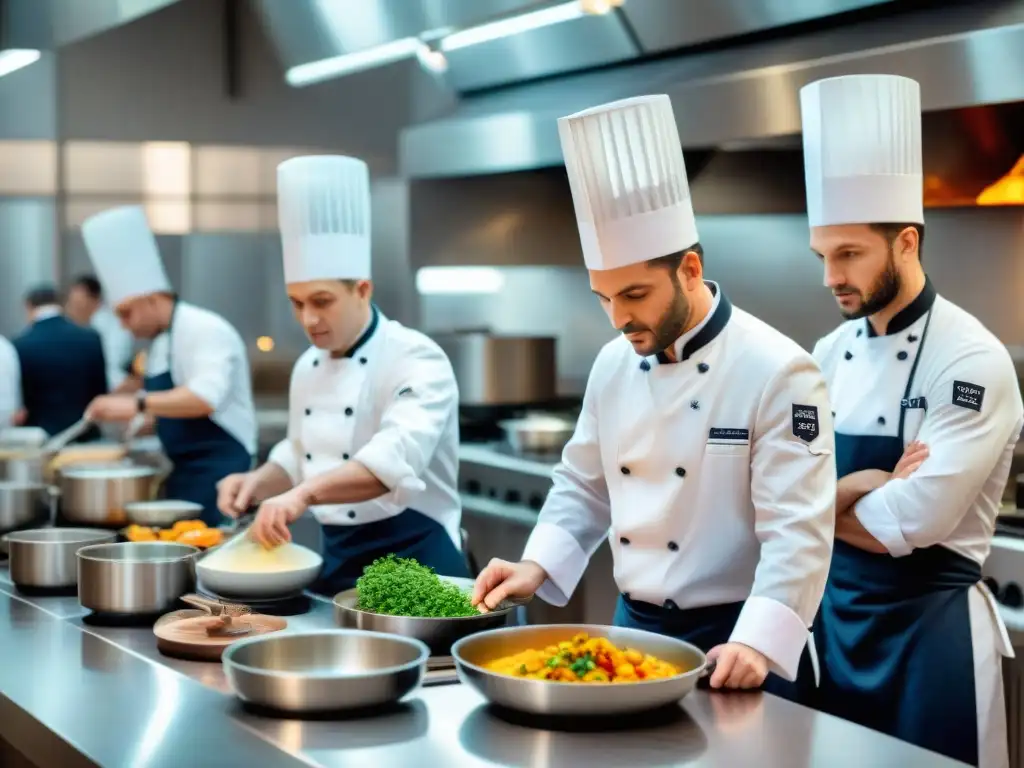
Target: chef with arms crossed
373,432
704,446
927,412
197,383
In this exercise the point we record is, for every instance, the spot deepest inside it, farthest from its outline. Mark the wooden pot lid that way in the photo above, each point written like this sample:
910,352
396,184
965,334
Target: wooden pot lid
183,633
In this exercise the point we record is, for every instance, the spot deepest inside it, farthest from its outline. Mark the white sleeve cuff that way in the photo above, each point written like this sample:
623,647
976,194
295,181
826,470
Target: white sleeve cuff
283,454
560,555
874,514
391,468
774,630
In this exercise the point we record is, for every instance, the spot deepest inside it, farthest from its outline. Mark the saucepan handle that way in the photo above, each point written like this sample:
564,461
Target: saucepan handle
709,669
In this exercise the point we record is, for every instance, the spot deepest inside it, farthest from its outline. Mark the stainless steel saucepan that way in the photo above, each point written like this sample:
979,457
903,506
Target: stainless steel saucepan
135,578
45,557
99,495
22,504
537,433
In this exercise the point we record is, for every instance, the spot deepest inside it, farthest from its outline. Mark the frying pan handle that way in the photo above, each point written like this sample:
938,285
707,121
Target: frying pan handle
709,669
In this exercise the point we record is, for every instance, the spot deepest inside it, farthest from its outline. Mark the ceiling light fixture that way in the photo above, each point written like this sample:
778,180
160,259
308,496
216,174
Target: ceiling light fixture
13,59
350,63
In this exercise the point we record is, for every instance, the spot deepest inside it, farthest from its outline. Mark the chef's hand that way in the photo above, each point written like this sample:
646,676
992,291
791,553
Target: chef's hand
913,457
235,493
112,408
270,528
739,666
501,580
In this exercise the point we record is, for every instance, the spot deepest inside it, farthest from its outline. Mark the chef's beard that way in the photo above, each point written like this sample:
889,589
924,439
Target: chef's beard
884,291
670,326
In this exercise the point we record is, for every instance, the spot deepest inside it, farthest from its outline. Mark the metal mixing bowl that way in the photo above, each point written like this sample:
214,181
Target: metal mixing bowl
135,578
162,513
439,634
543,697
332,670
45,557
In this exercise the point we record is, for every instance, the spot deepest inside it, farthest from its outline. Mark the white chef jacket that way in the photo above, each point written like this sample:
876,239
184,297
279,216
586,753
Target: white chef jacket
117,345
714,477
207,355
10,383
391,404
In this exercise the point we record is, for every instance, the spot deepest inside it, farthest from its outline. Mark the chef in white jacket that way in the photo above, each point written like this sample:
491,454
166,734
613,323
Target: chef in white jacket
10,384
909,637
197,381
372,444
704,446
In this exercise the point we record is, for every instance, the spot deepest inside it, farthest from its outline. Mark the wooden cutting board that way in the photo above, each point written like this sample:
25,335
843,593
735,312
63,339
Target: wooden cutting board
183,634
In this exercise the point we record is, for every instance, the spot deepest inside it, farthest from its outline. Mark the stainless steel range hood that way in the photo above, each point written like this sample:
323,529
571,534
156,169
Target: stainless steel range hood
49,24
741,97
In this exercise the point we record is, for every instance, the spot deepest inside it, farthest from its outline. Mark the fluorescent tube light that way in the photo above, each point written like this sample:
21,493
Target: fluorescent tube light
350,63
458,280
513,25
13,59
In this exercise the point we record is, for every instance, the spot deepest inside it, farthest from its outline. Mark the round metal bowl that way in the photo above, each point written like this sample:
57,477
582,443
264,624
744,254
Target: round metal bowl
543,697
45,557
327,671
162,513
135,578
243,585
438,634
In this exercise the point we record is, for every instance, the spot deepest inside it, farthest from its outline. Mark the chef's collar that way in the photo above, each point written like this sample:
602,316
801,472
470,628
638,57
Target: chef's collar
910,314
45,312
365,336
706,330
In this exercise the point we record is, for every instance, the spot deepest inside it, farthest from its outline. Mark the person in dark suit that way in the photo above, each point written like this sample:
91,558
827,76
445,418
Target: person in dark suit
62,365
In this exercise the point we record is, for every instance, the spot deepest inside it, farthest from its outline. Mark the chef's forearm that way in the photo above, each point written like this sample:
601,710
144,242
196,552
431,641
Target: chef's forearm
177,403
350,483
271,480
850,531
855,486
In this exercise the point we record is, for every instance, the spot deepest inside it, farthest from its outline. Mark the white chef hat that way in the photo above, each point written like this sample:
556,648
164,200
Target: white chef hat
862,150
323,209
628,181
124,253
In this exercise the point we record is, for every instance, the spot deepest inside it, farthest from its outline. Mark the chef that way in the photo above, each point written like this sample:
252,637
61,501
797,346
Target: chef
372,444
10,385
197,382
86,307
704,446
909,638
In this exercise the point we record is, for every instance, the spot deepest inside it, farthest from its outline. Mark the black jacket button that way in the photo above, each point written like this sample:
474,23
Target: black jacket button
316,363
348,411
911,338
881,419
362,361
309,457
351,514
624,541
644,365
670,605
344,456
703,367
848,355
860,331
308,412
673,547
624,470
901,355
680,472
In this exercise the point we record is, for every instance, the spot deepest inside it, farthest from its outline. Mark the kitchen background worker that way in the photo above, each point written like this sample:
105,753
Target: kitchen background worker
373,438
909,638
84,305
10,385
62,366
197,382
704,446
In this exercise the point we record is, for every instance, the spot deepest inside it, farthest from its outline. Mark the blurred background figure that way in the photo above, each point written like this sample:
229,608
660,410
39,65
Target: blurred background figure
10,385
85,306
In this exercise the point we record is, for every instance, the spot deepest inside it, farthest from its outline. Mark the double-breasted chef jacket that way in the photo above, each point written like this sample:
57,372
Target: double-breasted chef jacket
712,477
391,404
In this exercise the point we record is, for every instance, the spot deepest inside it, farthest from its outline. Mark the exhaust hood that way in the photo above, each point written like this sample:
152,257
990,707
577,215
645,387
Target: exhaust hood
743,101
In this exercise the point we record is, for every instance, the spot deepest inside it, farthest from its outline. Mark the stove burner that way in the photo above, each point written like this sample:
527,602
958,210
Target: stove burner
96,619
30,591
289,605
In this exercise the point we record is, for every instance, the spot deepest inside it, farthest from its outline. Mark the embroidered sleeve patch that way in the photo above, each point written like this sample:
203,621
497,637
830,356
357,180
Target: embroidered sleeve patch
805,422
968,395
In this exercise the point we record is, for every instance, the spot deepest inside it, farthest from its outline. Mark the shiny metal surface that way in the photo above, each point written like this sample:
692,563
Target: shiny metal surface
21,503
24,466
501,370
748,94
438,634
544,435
149,701
97,496
136,577
161,513
325,671
540,697
45,557
54,23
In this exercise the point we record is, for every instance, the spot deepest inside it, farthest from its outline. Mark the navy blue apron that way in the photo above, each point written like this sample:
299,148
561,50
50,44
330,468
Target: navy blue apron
202,451
893,633
348,549
707,627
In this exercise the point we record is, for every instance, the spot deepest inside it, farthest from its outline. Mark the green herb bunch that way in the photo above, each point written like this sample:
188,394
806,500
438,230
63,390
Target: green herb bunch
397,586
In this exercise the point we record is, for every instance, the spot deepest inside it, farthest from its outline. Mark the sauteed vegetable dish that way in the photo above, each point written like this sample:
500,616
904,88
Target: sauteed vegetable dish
585,659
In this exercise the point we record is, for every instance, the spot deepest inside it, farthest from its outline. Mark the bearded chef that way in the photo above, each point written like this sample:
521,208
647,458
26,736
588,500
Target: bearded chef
927,413
372,443
197,383
704,446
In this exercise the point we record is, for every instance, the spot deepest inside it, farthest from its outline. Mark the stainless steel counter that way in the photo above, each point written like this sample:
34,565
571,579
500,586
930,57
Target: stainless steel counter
75,694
